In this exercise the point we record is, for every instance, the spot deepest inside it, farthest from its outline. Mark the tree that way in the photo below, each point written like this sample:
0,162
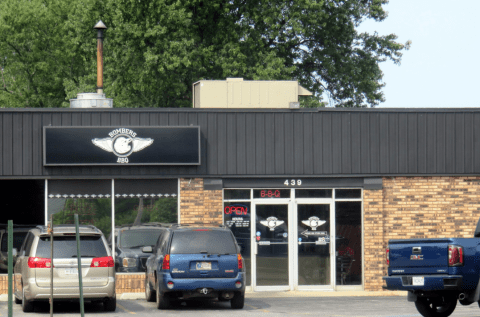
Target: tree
154,50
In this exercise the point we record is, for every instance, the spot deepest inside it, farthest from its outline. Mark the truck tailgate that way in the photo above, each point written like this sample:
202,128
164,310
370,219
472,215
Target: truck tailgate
418,256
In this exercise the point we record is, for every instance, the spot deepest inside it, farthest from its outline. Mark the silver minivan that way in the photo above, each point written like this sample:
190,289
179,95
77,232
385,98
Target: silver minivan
33,266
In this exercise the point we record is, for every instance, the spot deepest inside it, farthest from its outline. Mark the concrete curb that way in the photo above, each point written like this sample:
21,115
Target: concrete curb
141,296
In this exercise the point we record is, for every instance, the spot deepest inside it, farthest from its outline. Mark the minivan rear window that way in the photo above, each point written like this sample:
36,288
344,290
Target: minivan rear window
210,241
66,247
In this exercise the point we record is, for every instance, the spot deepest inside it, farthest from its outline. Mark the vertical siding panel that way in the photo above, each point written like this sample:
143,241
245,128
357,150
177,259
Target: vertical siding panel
212,144
17,145
476,142
298,139
422,143
393,142
241,144
203,123
222,143
356,143
270,144
450,142
336,132
279,143
27,143
365,143
260,144
384,143
469,157
231,144
308,143
327,143
374,143
251,141
431,143
346,153
440,143
37,146
412,142
402,143
317,143
289,146
7,139
459,143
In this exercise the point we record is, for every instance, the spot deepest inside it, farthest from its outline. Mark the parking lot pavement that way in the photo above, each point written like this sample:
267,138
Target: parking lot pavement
336,306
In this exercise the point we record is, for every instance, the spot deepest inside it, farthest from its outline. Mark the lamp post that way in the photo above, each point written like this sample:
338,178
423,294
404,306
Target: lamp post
100,27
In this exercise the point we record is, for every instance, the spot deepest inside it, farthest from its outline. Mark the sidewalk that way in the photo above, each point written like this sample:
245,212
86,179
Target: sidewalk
140,296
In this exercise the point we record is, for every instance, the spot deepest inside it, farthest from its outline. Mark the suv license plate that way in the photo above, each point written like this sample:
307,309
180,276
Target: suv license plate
204,265
71,271
418,280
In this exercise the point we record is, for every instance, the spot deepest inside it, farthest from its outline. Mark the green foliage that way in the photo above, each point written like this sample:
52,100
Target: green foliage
155,50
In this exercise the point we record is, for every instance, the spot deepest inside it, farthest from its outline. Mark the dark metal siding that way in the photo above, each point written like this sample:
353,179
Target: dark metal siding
267,143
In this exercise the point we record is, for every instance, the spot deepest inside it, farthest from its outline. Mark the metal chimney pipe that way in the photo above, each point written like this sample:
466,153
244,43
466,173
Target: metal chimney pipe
100,27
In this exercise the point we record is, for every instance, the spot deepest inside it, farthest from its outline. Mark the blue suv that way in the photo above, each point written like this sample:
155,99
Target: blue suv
193,262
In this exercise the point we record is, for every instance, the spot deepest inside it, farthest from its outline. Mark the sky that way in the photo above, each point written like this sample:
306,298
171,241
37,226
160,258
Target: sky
442,67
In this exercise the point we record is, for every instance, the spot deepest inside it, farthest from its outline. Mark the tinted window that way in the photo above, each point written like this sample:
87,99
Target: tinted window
138,238
348,193
66,247
18,238
28,243
211,241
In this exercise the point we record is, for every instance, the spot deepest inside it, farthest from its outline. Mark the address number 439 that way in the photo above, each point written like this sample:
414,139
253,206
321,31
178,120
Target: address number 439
292,182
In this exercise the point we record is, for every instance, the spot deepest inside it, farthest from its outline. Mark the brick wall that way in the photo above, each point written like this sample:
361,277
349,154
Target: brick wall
130,283
199,206
416,207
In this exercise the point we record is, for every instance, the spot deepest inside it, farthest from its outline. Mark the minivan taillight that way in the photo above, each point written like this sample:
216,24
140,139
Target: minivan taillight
105,261
455,255
166,262
240,261
388,256
39,263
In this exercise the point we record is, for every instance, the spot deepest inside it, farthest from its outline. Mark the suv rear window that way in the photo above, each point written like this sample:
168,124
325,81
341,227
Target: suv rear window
138,238
18,238
210,241
66,247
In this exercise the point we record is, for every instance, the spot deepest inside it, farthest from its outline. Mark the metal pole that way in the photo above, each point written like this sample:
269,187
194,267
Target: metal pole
10,267
79,262
50,231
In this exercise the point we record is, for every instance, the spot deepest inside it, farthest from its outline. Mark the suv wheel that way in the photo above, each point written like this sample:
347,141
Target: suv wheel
237,301
110,304
149,293
162,301
27,306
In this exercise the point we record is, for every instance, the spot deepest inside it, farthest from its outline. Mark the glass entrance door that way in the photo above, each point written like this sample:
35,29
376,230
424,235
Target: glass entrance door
271,265
315,232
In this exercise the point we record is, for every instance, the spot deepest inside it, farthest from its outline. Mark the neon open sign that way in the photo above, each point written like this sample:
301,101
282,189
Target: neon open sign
236,210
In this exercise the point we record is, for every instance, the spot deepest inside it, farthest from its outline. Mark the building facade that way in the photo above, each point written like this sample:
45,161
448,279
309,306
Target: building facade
312,195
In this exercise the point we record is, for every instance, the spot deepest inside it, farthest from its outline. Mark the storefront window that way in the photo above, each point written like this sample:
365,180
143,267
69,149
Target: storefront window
313,193
348,193
348,220
237,217
271,193
236,194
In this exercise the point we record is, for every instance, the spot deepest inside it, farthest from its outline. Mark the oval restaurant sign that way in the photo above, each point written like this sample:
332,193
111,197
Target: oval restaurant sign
121,145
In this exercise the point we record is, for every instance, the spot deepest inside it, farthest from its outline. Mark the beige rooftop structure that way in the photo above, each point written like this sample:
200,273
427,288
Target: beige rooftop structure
239,93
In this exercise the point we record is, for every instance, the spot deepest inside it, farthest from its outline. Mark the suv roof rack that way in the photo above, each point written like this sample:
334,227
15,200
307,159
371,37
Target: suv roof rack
147,224
44,229
177,225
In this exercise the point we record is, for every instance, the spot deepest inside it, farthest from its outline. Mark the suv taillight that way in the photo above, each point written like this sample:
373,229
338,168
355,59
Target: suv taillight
240,261
106,261
455,255
39,263
388,256
166,262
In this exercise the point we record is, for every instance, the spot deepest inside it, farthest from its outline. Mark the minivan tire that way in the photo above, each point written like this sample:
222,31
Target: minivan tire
27,306
238,301
149,292
110,304
163,302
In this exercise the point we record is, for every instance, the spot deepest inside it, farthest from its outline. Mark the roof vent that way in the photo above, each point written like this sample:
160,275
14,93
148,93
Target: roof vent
95,100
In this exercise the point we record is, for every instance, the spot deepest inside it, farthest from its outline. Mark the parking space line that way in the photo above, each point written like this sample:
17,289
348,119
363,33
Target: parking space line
128,311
